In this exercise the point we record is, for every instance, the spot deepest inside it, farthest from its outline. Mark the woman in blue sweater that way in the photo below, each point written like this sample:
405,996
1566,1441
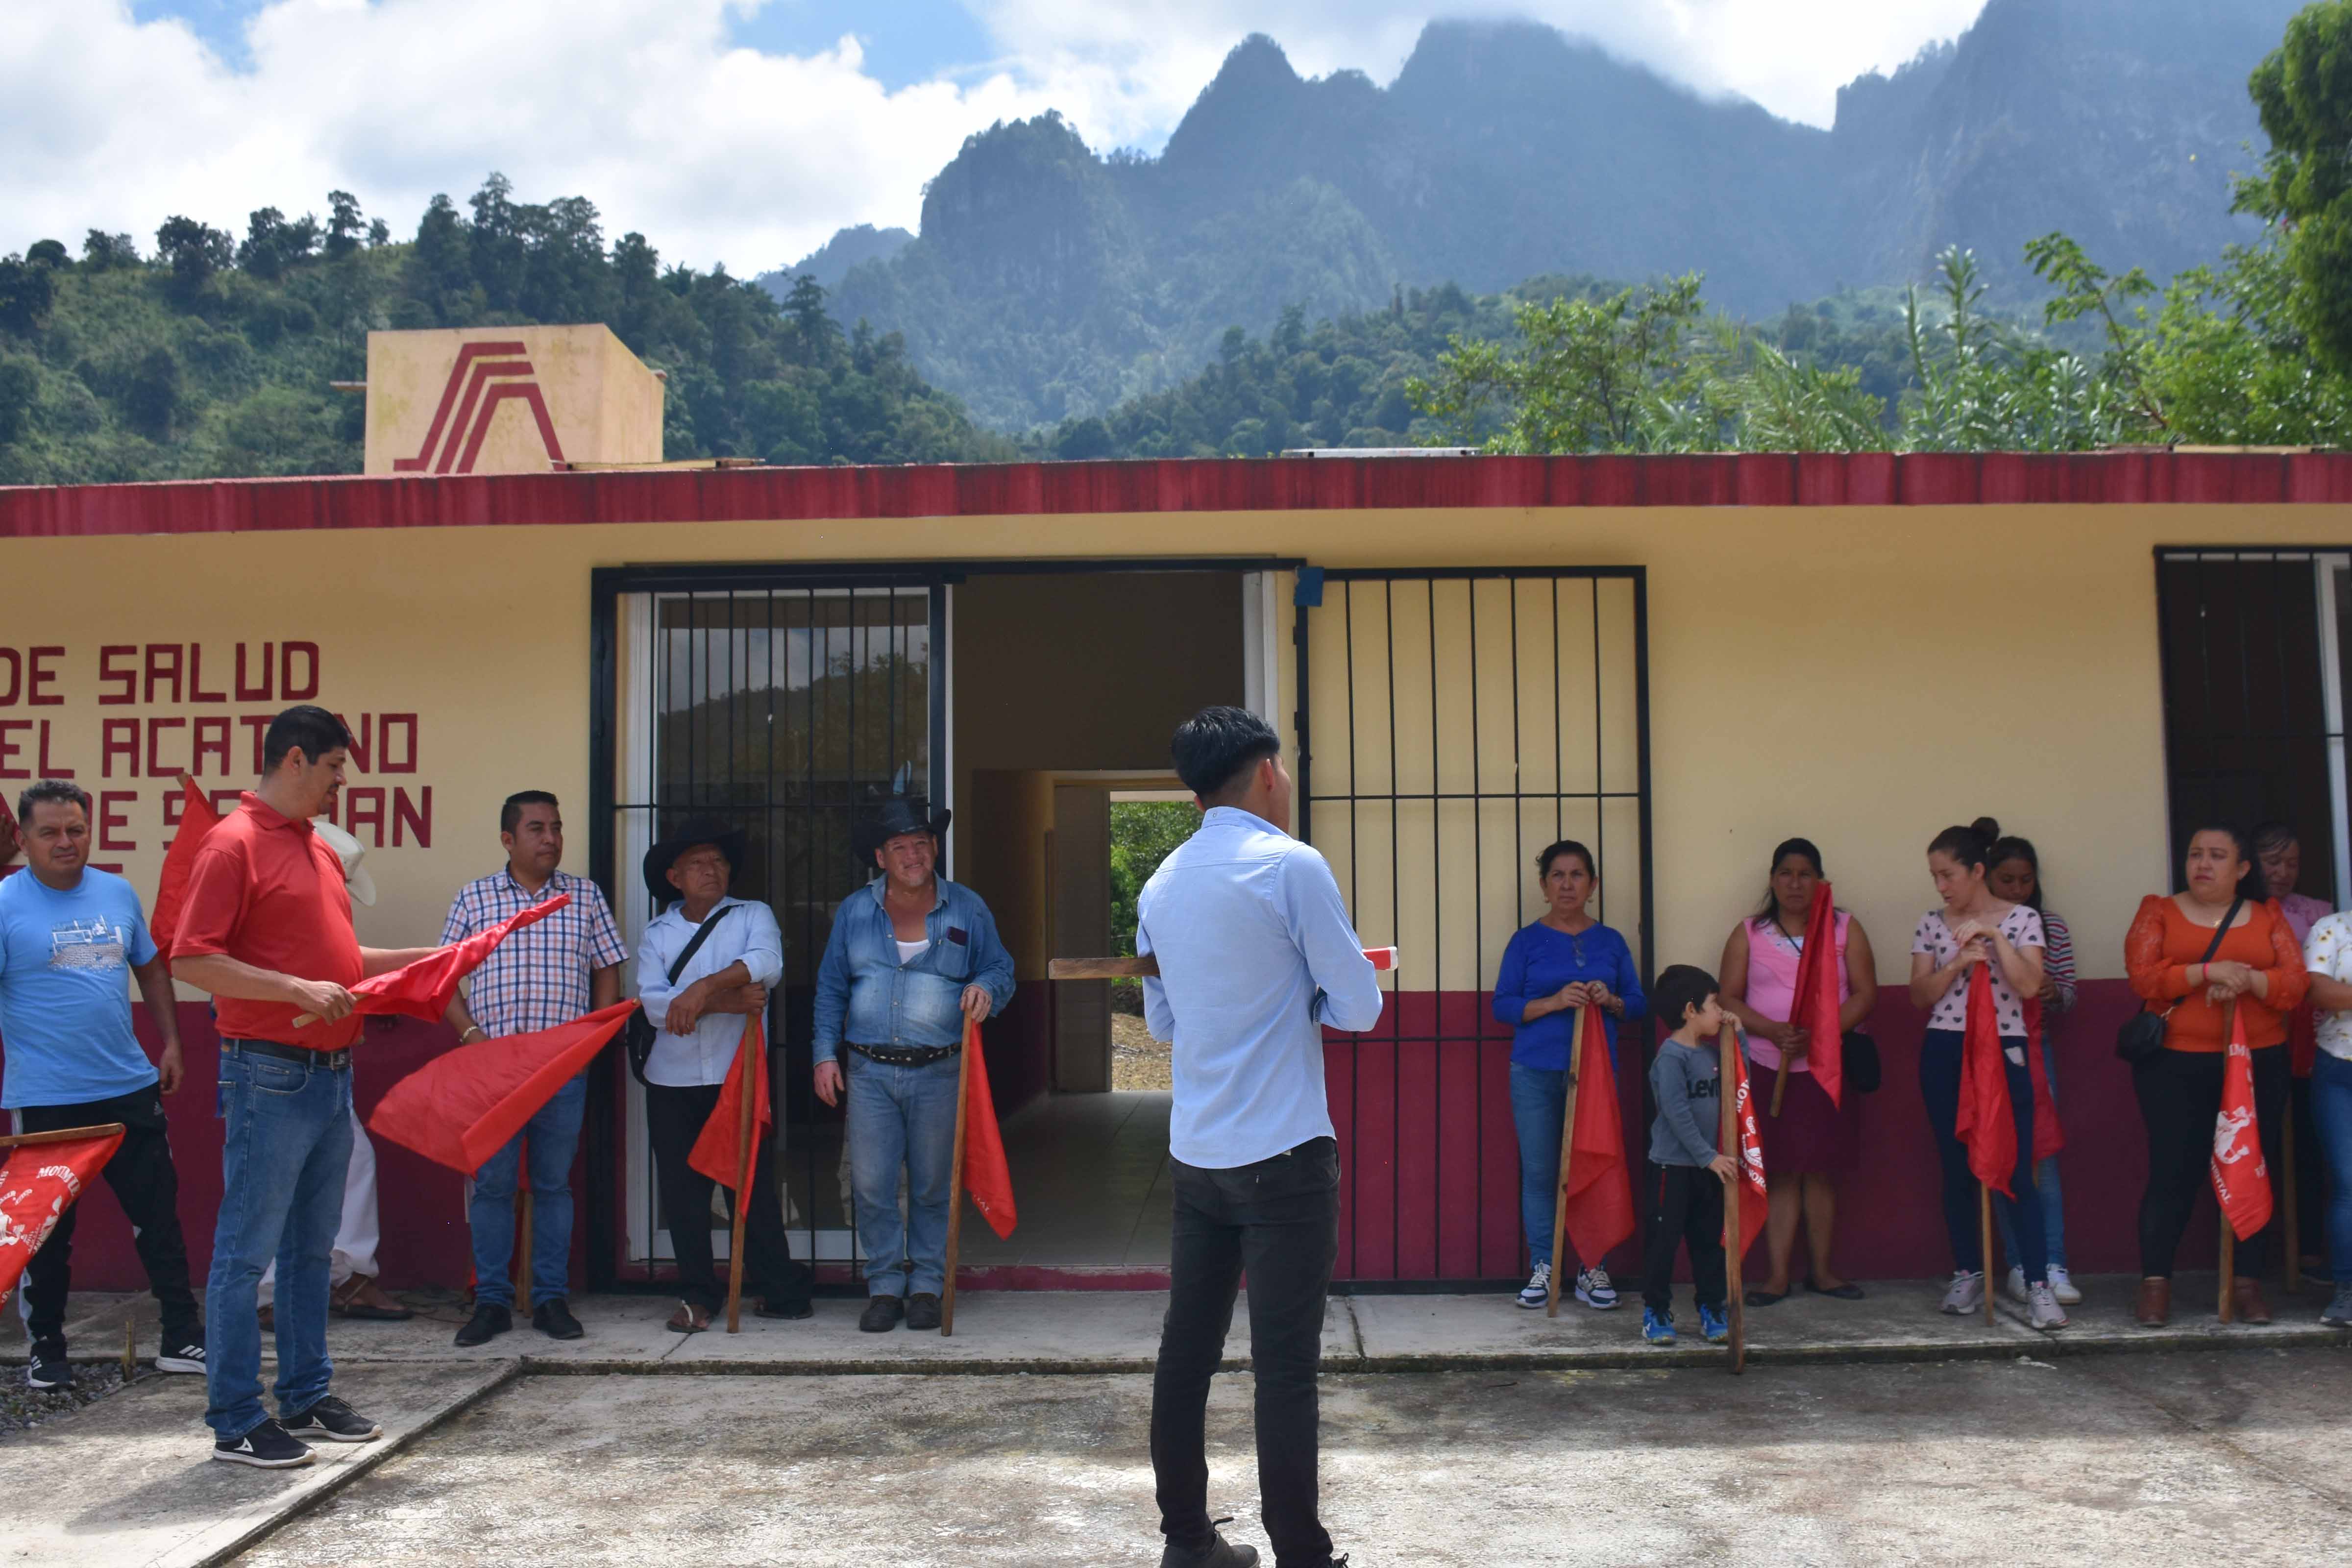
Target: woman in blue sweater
1565,961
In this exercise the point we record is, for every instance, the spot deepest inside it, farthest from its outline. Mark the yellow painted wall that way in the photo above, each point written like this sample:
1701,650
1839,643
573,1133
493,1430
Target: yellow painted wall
1863,676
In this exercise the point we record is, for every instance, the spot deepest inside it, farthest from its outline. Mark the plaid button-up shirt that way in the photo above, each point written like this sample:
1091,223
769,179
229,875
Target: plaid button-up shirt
539,977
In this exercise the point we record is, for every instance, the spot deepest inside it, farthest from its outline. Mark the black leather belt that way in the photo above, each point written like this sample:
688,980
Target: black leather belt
904,1056
330,1061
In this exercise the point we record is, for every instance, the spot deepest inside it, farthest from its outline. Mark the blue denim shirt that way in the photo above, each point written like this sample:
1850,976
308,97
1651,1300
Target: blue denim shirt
864,993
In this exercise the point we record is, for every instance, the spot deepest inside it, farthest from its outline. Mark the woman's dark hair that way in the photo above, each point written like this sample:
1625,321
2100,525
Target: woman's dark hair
314,730
1682,988
1770,909
2237,837
2012,847
1971,846
2270,835
1213,747
62,792
1565,847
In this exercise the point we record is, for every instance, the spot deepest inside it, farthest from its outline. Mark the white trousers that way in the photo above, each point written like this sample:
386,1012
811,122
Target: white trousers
357,1235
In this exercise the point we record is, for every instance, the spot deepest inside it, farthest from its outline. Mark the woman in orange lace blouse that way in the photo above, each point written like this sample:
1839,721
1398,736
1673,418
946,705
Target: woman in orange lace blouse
2259,965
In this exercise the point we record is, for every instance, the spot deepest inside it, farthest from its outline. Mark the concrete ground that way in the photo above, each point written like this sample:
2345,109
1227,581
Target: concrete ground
2183,1458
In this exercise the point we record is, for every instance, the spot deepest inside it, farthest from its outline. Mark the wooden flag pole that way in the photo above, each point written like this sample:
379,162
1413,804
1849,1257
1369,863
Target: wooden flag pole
2228,1261
747,1122
525,1254
2286,1177
1567,1153
1984,1240
62,1136
1779,1080
1735,1297
955,1183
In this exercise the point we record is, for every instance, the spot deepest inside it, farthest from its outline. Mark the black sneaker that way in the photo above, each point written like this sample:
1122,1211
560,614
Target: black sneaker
792,1311
49,1369
489,1321
333,1420
266,1446
922,1311
554,1318
1222,1553
881,1315
189,1356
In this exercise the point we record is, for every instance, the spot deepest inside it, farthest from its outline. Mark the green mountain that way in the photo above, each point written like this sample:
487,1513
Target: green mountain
1048,283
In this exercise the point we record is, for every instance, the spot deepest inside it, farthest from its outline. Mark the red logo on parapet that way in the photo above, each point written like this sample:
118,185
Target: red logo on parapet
485,375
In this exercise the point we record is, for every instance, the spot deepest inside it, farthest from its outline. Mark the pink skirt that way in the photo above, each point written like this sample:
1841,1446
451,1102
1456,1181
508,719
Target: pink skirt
1810,1133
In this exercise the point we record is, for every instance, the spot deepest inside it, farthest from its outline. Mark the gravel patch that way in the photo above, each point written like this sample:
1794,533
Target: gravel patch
22,1407
1137,1060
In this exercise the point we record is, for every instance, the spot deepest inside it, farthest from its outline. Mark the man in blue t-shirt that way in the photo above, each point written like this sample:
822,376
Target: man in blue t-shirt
67,933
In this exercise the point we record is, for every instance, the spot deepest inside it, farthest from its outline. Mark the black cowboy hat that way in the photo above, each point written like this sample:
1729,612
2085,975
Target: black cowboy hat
895,816
697,832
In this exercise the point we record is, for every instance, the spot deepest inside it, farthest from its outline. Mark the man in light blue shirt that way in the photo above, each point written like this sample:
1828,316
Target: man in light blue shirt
1256,958
701,1016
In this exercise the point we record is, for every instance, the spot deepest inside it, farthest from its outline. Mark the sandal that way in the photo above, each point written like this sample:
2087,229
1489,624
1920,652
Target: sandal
1765,1298
1849,1291
689,1319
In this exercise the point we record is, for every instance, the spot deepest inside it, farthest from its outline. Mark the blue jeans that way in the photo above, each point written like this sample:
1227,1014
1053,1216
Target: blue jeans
902,1118
2331,1109
284,1151
1538,1104
553,1132
1940,1087
2045,1182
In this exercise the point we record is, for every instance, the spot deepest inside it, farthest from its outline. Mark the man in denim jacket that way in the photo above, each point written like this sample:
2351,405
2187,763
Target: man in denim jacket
912,957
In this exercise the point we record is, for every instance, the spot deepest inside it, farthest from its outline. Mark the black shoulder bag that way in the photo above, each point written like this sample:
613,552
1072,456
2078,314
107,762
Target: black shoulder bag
2142,1034
637,1036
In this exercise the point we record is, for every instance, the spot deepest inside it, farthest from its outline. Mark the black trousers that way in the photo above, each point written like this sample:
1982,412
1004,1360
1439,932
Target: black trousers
674,1119
1279,1220
2180,1100
147,1185
1686,1210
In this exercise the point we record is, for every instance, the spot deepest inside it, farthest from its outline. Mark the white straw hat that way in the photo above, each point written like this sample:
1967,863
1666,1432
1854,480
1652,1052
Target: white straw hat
349,850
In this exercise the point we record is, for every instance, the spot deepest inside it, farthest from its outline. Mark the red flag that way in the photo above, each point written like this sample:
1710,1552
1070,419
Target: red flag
462,1107
1985,1124
197,818
717,1153
424,989
2241,1180
986,1175
2048,1136
39,1182
1814,1005
1600,1191
1754,1199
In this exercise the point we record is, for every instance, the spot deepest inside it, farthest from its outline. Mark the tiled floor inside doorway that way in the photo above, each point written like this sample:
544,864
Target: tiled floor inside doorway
1090,1180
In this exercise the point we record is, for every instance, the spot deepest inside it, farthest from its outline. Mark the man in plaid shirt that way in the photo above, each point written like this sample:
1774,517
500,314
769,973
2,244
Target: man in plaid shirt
544,975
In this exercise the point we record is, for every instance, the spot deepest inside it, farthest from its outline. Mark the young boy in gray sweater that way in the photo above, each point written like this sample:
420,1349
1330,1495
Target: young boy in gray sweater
1686,1204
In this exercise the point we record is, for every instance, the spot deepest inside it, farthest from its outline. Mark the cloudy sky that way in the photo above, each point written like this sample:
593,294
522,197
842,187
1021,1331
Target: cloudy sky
736,131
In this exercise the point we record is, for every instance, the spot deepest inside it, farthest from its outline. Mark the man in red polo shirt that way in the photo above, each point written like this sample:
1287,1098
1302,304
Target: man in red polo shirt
267,929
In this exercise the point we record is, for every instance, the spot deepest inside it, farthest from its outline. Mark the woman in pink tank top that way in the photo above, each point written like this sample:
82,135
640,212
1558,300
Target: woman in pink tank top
1812,1139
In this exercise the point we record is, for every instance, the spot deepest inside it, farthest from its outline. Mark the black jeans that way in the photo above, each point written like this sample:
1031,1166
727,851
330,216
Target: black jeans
1686,1210
2180,1100
1278,1219
147,1187
1940,1087
674,1119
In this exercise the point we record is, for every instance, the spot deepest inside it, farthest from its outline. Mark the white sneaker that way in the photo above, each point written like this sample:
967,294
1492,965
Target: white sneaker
2062,1285
1592,1289
1967,1293
1539,1291
2017,1284
2046,1313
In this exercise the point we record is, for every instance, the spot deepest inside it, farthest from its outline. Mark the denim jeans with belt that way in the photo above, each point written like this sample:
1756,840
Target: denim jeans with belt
284,1149
553,1136
902,1118
1278,1220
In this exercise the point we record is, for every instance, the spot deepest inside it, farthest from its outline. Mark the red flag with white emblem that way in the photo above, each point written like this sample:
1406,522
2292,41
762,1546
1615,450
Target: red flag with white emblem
2241,1180
1753,1199
39,1182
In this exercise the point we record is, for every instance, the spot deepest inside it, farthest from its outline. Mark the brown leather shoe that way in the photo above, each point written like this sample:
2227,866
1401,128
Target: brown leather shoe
2155,1308
2251,1307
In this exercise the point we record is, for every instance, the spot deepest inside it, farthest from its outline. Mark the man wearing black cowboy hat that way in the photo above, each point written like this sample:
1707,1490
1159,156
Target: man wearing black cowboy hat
700,1016
911,958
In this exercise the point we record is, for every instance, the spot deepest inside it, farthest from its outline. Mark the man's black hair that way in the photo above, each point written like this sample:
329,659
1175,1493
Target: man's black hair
1681,990
314,730
64,792
1216,745
510,813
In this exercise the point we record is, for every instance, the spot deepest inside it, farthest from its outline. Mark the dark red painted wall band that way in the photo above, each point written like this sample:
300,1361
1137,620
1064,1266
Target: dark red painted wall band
1280,484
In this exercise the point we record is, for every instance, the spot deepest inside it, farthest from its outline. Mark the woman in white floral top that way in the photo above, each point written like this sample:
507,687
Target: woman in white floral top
2327,954
1973,927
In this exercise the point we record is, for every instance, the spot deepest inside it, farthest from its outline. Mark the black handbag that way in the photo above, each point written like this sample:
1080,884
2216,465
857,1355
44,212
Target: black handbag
1863,1072
638,1035
2142,1034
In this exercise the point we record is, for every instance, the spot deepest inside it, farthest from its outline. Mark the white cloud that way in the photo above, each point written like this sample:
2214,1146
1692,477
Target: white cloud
716,152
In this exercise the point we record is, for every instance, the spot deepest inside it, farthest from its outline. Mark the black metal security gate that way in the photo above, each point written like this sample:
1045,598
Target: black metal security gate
778,702
1452,723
